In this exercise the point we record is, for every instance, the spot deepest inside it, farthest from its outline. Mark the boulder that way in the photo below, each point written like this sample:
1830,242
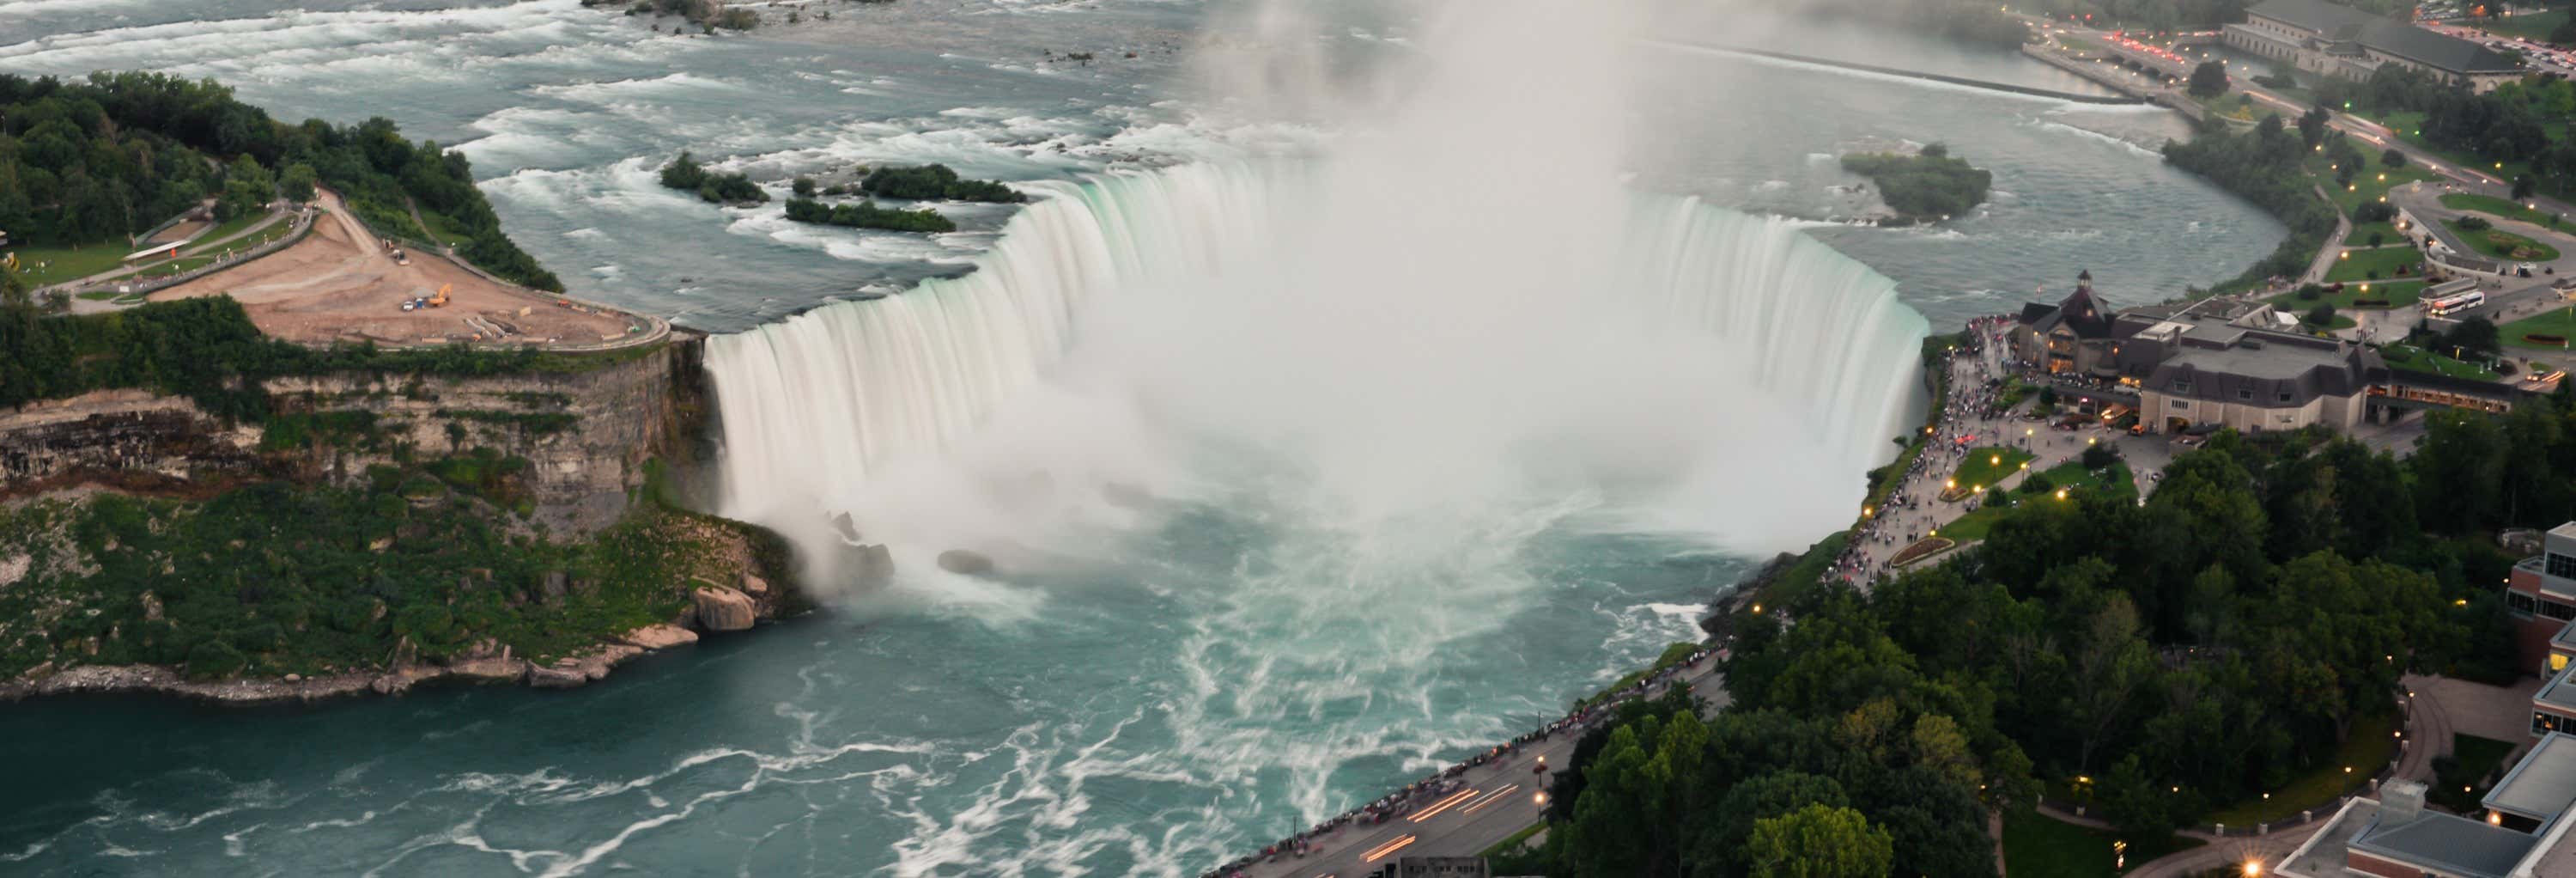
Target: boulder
661,636
723,609
876,564
490,670
754,585
151,607
556,678
555,585
965,563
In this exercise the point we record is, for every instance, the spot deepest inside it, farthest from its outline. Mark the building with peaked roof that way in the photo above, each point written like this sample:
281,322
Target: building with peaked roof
2520,832
2335,40
2073,335
2208,363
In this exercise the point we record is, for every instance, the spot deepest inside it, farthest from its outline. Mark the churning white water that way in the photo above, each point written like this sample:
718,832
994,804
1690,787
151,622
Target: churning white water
1725,375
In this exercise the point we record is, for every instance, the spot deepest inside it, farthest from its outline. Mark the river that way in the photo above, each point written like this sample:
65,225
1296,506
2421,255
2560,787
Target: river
1246,659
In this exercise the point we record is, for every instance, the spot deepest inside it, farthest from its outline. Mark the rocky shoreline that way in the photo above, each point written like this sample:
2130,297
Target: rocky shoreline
712,608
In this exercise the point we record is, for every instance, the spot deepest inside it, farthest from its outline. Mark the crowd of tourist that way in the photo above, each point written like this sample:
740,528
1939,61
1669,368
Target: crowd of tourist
1974,405
1446,783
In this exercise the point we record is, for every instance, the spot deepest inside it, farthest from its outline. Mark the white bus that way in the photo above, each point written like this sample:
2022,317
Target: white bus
2453,304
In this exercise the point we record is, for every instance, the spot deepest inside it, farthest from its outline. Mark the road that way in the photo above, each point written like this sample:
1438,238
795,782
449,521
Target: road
1492,802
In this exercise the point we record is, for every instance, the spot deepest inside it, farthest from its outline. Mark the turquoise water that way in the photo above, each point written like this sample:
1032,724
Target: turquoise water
1222,673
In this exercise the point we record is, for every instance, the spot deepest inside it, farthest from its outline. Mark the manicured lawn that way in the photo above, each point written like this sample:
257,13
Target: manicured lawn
1987,465
2504,245
2369,184
2493,206
2535,25
2377,264
232,226
2561,323
44,266
2398,294
2035,845
2418,360
2361,232
2370,747
2071,475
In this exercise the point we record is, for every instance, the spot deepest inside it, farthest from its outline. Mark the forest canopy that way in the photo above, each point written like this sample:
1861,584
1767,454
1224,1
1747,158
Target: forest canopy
93,161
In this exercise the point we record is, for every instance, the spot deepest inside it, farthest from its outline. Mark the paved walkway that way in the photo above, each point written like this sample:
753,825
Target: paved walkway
2332,251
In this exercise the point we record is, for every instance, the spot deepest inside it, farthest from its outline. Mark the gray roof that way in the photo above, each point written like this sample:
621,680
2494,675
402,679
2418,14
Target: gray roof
2448,842
2543,784
2263,369
2558,692
2386,35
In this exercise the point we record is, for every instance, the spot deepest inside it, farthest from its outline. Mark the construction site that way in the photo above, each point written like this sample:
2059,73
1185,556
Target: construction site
341,283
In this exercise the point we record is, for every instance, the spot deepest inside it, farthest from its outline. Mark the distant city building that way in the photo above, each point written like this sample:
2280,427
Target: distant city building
2333,40
2523,832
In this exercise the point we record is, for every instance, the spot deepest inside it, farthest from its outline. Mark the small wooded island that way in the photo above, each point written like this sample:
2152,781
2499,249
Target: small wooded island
1928,186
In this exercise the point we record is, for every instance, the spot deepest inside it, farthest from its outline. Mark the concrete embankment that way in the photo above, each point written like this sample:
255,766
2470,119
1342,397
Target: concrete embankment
2120,99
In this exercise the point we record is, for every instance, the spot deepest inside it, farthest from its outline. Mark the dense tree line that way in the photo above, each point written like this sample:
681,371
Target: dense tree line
684,173
2188,654
933,182
867,215
410,563
207,349
2511,123
119,152
2262,165
1928,186
1966,21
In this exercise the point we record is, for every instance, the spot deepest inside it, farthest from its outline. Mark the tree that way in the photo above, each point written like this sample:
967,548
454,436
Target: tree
684,173
1820,841
2321,316
2208,80
2524,186
2312,125
803,187
2394,158
2099,456
2048,397
297,182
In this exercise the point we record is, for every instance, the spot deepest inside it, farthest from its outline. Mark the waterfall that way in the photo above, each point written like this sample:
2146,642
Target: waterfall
817,403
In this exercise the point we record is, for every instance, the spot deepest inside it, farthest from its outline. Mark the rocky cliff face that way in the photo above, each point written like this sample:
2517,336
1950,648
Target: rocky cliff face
584,435
116,431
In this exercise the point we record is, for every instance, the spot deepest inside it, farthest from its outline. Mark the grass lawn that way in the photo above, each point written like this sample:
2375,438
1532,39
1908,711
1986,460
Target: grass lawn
2456,784
2376,264
2070,475
2561,322
2418,360
2398,294
2369,184
2493,206
172,267
444,233
2038,846
2370,747
44,266
2504,245
2534,25
1988,465
234,225
2361,232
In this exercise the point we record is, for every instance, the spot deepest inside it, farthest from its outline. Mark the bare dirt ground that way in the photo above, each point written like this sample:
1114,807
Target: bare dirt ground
341,284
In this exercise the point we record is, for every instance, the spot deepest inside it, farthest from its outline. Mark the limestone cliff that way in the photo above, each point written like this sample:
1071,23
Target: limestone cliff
585,434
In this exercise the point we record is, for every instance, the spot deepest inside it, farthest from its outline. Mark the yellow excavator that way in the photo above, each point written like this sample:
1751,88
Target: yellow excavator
440,299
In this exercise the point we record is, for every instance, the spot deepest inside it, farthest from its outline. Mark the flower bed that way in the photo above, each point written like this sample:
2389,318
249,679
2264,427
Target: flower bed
1922,548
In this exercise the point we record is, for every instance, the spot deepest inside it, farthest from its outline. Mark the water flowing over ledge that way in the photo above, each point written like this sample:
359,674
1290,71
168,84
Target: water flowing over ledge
822,401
